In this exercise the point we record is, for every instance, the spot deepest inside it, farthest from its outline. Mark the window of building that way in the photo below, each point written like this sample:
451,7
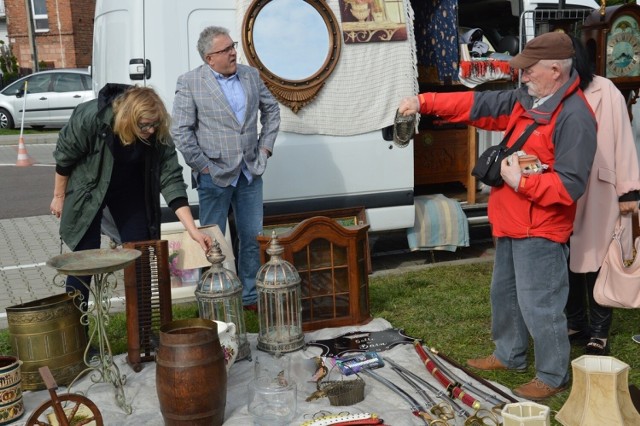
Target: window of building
40,17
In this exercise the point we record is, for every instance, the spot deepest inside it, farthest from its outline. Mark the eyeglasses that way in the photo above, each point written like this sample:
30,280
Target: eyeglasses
148,126
226,49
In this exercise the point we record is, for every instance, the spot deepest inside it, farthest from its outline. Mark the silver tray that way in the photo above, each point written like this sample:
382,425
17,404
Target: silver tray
90,262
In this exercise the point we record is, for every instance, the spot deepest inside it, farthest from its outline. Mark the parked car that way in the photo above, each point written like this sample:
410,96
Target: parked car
51,97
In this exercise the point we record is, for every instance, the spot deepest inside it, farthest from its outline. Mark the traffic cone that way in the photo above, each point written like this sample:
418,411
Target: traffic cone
23,156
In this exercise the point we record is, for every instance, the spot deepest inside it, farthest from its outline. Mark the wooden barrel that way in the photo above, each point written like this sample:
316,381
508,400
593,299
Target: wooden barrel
47,332
191,379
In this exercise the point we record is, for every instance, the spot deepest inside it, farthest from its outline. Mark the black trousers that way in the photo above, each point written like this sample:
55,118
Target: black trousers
583,312
130,219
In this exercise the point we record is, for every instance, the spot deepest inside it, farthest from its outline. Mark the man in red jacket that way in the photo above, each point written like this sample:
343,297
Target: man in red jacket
531,214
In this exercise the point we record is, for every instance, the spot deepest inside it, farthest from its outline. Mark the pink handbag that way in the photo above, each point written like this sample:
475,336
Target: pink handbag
618,285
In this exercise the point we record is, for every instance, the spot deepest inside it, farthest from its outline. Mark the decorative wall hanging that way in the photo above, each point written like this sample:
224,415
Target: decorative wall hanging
436,33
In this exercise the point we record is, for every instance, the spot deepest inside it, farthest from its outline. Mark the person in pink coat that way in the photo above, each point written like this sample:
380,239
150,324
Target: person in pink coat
611,193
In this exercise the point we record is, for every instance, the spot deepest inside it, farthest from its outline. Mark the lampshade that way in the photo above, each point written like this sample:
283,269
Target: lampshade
525,413
191,254
219,297
279,305
599,394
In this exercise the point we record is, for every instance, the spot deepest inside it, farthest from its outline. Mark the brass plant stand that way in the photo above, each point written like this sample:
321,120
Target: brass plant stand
101,264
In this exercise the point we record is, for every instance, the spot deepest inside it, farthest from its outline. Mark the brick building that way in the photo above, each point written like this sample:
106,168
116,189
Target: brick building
62,30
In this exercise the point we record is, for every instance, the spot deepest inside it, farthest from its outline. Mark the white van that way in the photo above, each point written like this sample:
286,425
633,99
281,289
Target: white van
152,42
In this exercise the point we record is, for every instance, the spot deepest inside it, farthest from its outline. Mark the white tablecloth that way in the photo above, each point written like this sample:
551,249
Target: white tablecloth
140,388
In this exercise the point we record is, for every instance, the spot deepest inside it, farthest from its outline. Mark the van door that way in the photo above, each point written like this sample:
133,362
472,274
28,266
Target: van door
151,43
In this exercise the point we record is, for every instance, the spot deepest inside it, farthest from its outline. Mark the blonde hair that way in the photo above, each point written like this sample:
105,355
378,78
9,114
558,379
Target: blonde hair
135,104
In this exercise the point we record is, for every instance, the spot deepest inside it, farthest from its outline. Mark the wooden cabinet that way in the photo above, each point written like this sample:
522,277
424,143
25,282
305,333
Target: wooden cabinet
446,155
332,261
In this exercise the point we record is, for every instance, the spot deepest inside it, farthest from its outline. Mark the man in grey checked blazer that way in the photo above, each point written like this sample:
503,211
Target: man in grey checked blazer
215,127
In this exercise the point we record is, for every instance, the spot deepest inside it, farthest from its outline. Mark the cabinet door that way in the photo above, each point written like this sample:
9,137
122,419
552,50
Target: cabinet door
332,261
324,274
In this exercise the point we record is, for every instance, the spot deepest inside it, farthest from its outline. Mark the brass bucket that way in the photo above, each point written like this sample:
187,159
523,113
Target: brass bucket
47,332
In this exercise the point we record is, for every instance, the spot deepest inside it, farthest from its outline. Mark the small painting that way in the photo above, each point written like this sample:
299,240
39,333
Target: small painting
365,21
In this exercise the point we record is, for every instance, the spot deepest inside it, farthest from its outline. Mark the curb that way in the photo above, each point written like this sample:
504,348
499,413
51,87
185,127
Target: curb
29,138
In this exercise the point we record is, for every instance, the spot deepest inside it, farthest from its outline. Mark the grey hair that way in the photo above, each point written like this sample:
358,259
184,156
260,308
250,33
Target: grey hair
565,64
206,39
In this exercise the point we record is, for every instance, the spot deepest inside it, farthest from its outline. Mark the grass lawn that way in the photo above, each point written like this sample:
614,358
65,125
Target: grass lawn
448,307
27,131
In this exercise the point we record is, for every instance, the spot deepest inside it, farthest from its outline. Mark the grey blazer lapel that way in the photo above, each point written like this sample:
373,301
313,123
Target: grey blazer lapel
217,95
245,81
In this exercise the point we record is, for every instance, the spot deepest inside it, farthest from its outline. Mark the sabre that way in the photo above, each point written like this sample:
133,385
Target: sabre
453,389
445,413
459,410
474,376
481,417
416,408
497,404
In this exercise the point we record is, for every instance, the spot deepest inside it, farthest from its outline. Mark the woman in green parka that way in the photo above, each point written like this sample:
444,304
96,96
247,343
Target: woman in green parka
116,152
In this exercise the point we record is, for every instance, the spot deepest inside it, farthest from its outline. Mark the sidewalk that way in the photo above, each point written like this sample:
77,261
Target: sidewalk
24,276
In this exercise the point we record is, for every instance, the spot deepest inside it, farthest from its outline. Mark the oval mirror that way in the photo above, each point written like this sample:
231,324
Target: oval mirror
295,45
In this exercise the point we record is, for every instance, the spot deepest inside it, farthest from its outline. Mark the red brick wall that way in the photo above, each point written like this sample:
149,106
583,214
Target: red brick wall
68,42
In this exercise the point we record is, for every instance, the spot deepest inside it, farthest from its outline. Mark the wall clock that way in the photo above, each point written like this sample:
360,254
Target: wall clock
612,38
623,48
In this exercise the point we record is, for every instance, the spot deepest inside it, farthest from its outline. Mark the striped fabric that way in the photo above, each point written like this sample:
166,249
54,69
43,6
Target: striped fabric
440,224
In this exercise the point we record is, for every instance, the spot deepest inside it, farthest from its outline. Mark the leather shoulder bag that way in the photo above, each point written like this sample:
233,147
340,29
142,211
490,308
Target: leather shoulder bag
618,282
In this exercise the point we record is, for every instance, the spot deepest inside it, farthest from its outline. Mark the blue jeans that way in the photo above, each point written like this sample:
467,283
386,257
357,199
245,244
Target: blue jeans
246,201
529,291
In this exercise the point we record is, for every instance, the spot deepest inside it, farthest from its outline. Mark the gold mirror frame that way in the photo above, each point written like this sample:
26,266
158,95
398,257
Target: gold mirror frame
293,93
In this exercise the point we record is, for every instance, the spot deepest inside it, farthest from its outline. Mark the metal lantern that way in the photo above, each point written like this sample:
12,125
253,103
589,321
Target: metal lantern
279,306
219,296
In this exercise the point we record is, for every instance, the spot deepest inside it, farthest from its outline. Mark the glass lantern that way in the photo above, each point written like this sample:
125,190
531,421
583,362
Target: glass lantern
219,297
279,306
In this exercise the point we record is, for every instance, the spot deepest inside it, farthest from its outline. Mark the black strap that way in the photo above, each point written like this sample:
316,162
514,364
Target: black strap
521,140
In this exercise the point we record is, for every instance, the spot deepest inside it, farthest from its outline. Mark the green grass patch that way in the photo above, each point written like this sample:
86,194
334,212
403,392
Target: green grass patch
26,131
448,307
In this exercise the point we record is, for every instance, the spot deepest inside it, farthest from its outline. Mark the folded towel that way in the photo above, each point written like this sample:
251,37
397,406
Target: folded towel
440,224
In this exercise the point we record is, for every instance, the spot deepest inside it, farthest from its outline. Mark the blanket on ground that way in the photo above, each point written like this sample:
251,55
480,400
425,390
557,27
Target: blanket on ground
140,388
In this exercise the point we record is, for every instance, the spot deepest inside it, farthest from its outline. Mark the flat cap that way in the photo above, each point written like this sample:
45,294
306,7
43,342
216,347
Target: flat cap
553,45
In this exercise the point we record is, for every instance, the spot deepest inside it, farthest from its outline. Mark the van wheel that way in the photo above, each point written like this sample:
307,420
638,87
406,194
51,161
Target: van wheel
6,122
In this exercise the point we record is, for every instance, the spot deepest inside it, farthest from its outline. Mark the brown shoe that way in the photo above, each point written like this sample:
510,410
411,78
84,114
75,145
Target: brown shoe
537,390
490,363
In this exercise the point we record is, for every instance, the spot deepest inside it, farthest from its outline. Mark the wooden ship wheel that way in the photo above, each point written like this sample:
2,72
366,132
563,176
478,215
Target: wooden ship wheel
64,410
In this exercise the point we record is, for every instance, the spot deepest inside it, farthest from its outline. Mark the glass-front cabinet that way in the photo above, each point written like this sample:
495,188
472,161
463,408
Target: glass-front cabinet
332,261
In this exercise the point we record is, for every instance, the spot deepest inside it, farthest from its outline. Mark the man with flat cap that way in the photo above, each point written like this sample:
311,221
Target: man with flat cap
531,214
